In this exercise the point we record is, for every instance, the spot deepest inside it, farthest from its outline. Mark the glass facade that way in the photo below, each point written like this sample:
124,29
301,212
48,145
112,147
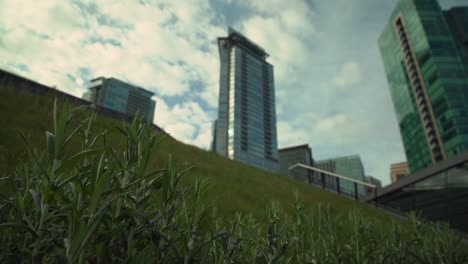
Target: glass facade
349,166
427,75
439,196
246,125
116,96
293,155
213,136
121,97
373,181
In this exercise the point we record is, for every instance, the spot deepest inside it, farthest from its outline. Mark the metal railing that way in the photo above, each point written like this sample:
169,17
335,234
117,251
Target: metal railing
334,184
391,210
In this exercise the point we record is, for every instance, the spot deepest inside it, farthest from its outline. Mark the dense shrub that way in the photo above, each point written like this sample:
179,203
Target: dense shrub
104,204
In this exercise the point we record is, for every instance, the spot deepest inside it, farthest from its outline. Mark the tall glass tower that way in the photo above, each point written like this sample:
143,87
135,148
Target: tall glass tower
424,51
246,125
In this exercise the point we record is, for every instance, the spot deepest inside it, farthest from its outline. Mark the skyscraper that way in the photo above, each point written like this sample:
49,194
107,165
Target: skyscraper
425,55
121,97
246,124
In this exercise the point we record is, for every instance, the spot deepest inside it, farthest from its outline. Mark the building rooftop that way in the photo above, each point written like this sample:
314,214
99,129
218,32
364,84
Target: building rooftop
238,37
30,80
115,79
403,163
354,156
421,175
294,148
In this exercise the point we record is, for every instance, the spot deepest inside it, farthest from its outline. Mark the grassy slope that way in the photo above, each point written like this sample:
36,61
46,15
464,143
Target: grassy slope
235,186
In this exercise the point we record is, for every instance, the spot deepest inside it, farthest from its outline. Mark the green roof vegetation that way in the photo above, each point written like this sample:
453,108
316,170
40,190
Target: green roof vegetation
77,187
237,187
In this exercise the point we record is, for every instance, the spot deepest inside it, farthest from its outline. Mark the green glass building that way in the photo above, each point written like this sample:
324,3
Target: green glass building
425,56
348,166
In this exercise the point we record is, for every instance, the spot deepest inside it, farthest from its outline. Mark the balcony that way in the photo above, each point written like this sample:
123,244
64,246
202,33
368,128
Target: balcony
419,95
424,110
420,100
418,88
401,33
438,157
427,120
415,81
412,69
431,134
407,52
435,149
410,62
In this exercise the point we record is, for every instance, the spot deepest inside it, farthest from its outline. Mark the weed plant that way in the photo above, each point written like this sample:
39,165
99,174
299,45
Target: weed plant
103,204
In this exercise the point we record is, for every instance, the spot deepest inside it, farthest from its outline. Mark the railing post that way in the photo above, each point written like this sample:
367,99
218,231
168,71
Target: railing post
3,81
323,179
356,196
338,185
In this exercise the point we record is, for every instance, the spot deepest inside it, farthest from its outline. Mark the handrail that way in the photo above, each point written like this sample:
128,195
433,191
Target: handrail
332,174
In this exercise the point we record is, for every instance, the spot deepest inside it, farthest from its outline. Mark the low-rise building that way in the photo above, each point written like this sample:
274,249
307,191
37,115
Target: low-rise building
349,166
398,171
121,97
297,154
373,181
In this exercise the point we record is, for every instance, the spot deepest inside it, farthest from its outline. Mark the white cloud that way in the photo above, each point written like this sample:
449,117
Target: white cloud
285,29
204,137
183,120
290,135
150,54
183,131
160,47
47,17
349,74
299,20
331,124
163,46
287,51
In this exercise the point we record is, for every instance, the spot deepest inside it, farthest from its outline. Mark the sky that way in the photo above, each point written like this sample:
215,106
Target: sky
330,85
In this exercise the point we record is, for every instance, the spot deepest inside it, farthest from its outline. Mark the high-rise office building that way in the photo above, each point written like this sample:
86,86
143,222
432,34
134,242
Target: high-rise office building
121,97
425,55
293,155
349,166
457,19
246,125
398,171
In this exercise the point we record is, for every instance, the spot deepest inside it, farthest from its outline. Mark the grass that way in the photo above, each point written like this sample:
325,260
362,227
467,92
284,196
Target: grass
95,190
236,186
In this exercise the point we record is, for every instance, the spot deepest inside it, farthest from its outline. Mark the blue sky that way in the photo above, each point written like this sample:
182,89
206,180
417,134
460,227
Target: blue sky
330,85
